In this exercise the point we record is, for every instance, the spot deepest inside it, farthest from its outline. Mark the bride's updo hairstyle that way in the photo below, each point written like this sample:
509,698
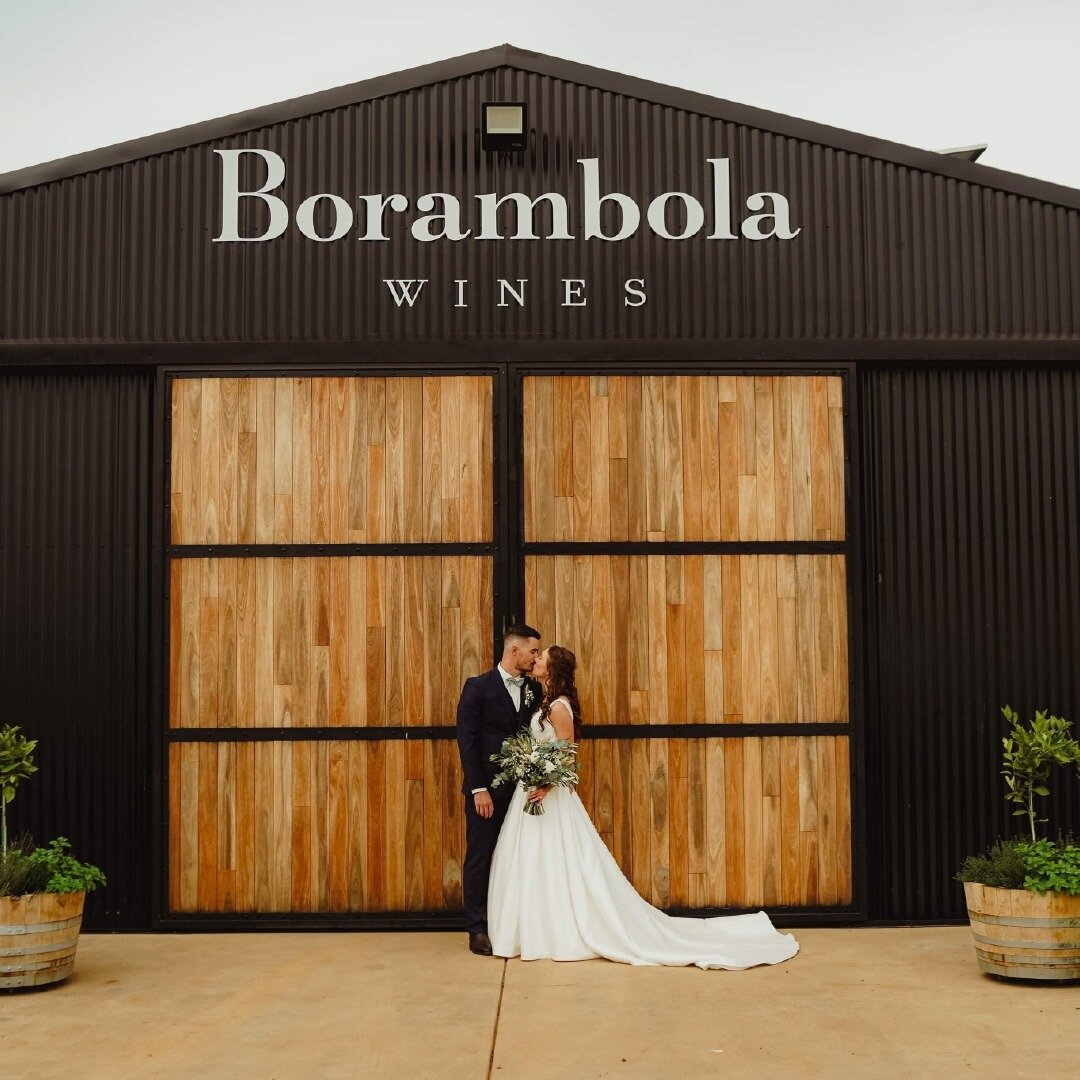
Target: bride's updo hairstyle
562,664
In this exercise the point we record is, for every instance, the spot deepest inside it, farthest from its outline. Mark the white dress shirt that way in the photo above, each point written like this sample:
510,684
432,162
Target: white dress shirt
515,696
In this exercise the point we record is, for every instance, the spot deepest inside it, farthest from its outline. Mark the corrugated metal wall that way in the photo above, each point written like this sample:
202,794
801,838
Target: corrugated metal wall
74,635
971,540
886,250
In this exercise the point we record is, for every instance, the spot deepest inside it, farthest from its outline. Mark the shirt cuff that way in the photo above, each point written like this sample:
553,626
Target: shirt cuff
475,790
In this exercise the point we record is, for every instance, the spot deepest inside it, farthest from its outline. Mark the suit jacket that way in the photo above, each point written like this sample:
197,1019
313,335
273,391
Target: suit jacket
485,716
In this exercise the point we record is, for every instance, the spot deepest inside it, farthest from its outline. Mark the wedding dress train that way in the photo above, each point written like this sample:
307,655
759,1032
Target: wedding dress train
557,893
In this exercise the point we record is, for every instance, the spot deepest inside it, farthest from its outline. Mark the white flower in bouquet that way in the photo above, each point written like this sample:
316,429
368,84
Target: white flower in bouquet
536,764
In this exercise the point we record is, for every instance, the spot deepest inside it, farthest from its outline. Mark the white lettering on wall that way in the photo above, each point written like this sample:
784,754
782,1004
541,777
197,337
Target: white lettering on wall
526,210
635,292
518,294
450,218
376,206
231,195
343,217
752,227
441,214
405,290
721,173
695,215
631,215
574,292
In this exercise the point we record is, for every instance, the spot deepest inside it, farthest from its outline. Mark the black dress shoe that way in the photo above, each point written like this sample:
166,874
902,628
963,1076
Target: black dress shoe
480,944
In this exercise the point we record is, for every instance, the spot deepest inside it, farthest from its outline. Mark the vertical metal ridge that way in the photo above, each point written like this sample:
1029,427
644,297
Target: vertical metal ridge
74,572
972,573
886,251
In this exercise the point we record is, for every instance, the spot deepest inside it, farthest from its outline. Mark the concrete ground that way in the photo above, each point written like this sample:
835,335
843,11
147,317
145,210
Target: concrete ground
854,1003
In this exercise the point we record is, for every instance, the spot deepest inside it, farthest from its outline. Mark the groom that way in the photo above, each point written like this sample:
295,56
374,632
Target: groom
492,706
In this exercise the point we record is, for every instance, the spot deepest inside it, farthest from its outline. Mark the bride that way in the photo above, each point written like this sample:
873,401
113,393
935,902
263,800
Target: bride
557,893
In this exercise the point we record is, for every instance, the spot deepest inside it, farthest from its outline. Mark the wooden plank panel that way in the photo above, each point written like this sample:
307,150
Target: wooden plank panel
671,439
226,811
708,639
637,486
338,826
313,642
821,492
321,460
678,824
653,462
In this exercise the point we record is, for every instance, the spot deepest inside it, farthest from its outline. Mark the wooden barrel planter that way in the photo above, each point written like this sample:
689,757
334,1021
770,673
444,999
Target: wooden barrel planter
1025,935
38,936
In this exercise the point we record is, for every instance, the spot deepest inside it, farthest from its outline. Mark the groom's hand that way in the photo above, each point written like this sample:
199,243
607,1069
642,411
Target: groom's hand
482,800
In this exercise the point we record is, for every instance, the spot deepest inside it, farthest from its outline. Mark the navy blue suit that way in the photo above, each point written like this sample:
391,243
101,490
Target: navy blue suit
485,717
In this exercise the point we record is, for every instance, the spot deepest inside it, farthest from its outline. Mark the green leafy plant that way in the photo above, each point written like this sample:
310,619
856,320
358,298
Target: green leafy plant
1002,866
17,875
1031,752
1039,866
16,765
1052,866
60,871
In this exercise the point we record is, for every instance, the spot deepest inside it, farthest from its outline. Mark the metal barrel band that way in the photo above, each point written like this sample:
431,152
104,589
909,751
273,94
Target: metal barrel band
1009,920
44,965
1018,959
39,928
1035,973
997,943
31,950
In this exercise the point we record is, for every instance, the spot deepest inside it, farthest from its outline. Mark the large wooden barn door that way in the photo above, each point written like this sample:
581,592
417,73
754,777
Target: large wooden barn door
330,587
685,536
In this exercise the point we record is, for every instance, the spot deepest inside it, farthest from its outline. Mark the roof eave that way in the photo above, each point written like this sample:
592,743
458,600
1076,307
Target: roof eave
554,67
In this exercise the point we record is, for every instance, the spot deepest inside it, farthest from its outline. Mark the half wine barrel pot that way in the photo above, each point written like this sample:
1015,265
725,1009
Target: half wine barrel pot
1025,935
38,936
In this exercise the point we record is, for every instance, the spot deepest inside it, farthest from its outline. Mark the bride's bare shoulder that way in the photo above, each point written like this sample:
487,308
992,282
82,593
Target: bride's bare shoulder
562,718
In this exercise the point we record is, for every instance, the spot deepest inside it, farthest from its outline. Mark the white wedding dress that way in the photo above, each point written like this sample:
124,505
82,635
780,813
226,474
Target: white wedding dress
557,893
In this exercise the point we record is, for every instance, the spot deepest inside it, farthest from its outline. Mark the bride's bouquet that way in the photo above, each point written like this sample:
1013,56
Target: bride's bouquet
534,764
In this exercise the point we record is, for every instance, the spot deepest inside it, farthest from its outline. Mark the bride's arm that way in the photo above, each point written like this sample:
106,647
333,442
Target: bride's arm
562,720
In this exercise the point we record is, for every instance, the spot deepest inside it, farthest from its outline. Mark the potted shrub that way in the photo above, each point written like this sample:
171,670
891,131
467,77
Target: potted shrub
1023,894
42,890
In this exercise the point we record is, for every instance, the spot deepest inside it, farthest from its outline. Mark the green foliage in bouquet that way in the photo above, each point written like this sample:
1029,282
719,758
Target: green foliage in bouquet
533,764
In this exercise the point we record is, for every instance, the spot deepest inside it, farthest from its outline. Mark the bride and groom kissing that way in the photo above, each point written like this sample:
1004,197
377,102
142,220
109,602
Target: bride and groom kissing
546,887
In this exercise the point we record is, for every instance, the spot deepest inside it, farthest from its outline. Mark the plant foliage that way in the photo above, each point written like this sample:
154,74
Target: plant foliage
1052,866
1001,866
18,875
1030,753
16,765
61,872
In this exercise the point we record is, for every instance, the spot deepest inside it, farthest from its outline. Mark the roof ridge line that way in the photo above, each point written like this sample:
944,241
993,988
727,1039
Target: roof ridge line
508,55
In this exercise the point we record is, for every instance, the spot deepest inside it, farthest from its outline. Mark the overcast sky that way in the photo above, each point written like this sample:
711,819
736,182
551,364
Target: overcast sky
79,75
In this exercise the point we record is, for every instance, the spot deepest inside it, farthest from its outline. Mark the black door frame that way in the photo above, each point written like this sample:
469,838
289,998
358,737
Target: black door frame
508,550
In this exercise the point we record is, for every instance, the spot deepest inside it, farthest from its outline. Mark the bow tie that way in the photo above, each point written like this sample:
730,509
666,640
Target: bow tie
518,681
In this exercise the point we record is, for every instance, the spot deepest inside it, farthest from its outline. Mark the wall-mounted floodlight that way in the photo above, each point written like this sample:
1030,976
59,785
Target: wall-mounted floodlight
503,125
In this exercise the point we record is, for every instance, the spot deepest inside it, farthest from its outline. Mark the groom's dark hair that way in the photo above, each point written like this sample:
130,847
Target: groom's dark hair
520,630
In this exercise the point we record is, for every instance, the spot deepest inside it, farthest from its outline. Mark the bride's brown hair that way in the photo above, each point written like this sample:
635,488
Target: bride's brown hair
561,665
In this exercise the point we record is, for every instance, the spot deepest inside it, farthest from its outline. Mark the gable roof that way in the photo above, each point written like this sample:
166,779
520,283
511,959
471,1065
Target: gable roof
554,67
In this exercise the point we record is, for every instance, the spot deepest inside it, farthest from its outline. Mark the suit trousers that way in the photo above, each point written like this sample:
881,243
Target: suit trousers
481,835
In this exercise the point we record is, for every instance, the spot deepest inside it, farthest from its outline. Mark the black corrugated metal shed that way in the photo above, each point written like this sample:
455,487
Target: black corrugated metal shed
947,292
